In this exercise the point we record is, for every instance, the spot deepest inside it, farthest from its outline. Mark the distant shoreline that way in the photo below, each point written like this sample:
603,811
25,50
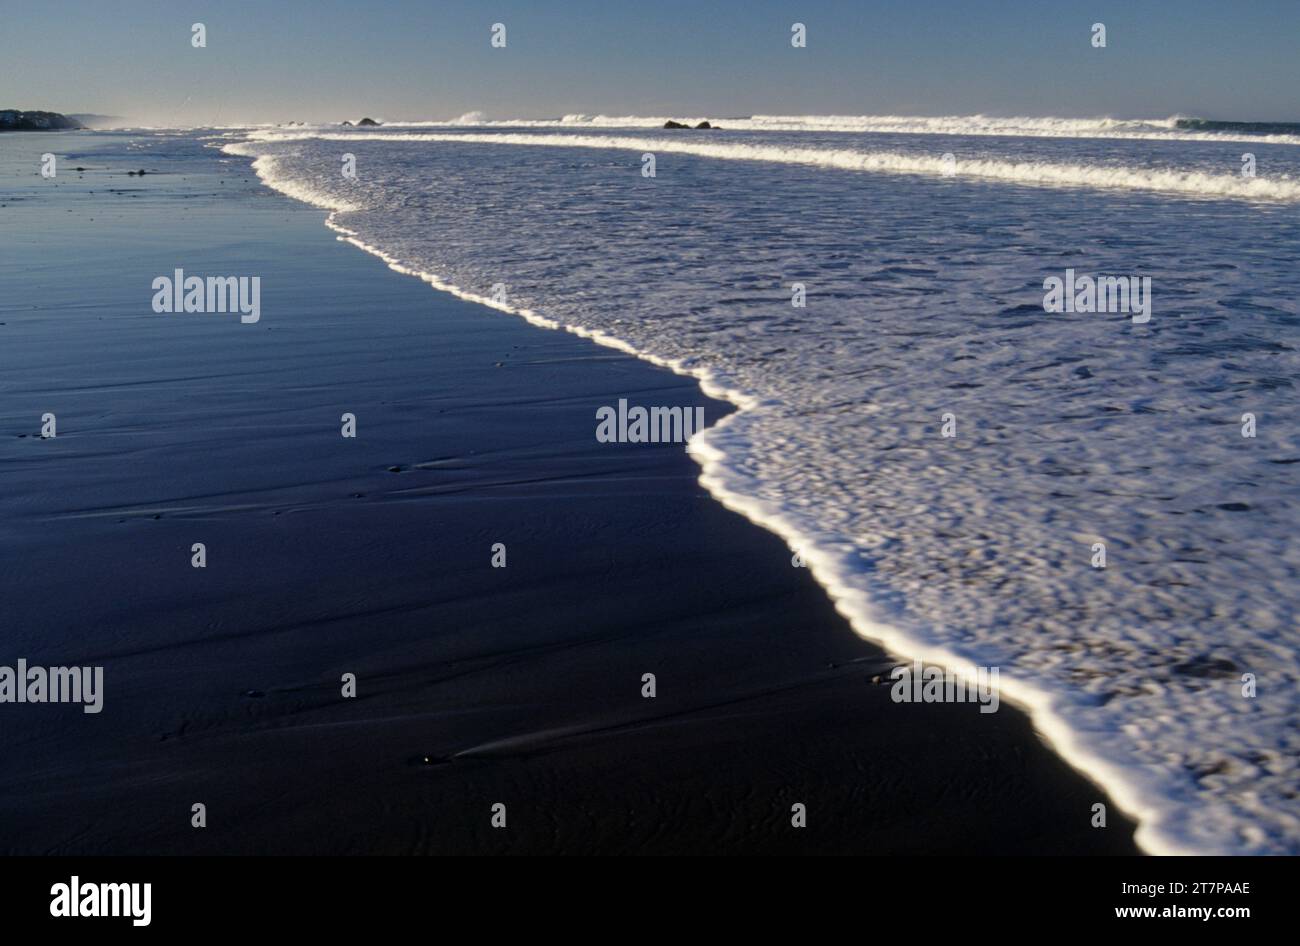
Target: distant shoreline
12,119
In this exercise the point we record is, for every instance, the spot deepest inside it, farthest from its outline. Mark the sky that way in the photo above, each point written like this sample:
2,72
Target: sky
327,60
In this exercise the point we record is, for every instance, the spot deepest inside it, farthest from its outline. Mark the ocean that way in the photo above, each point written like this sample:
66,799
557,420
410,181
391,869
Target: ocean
945,455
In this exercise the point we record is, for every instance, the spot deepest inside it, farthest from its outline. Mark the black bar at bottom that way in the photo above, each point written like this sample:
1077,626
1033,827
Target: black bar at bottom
301,896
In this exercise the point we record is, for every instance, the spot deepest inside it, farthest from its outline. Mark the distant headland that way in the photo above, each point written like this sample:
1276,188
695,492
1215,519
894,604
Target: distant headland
11,119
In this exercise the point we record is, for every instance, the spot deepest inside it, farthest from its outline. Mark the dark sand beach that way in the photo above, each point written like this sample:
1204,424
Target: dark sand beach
475,685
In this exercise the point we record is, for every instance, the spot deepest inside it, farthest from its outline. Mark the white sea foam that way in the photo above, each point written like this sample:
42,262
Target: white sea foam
264,166
926,298
1030,173
1156,129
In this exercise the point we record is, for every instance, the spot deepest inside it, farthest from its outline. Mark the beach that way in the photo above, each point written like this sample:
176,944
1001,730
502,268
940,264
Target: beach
1075,492
373,556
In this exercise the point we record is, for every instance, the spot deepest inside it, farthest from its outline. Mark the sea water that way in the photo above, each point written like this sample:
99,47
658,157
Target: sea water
946,454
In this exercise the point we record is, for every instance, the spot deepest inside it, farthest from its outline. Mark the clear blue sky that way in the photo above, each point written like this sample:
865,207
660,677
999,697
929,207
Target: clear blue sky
325,60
